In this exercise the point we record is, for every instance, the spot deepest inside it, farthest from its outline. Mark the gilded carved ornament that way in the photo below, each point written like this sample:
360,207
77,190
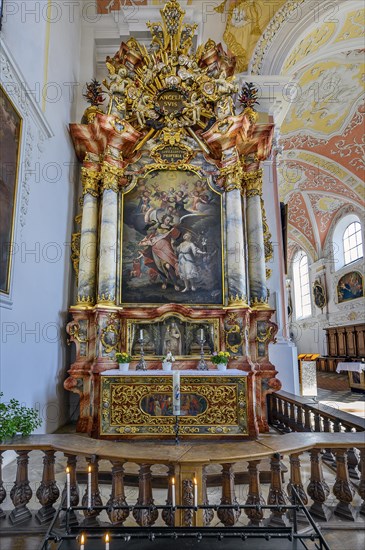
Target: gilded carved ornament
90,181
110,176
75,253
237,301
73,329
253,183
269,251
111,328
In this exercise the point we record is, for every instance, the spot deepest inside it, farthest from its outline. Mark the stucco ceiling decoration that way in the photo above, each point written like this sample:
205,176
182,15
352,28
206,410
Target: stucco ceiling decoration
321,171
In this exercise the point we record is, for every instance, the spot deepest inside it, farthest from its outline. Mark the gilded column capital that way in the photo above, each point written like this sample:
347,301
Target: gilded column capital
253,183
90,181
110,176
233,177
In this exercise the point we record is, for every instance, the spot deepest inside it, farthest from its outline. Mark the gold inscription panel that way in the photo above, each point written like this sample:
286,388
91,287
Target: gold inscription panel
142,406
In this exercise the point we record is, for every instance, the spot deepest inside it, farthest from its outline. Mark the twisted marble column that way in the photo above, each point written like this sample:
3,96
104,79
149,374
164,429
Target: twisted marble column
235,239
255,239
108,236
88,242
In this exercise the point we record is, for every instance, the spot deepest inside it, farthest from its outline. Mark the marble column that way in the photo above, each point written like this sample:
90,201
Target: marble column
235,242
255,239
108,239
89,237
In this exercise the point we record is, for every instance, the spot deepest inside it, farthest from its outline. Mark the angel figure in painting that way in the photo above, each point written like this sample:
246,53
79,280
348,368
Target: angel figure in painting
188,270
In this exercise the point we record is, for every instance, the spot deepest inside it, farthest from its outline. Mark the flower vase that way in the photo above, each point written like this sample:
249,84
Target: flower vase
166,365
222,366
123,366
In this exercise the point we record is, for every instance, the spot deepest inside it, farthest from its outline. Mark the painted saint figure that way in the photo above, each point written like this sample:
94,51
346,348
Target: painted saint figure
188,270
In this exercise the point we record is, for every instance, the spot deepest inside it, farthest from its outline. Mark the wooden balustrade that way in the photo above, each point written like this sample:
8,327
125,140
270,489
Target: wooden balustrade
183,463
317,418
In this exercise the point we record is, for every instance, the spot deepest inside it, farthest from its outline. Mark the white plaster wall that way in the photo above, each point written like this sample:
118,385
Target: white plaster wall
33,348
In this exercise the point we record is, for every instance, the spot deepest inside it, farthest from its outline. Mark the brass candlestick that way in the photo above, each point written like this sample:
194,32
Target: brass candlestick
141,365
202,365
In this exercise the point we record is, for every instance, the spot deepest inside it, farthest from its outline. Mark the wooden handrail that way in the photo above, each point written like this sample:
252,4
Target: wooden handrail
185,453
345,418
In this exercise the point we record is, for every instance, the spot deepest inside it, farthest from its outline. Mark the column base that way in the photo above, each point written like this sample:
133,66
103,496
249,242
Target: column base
45,515
19,515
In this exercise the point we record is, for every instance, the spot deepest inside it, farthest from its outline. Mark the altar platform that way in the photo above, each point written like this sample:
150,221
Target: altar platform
139,404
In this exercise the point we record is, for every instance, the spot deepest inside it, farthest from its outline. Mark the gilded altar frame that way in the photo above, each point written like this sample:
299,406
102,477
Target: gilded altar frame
122,415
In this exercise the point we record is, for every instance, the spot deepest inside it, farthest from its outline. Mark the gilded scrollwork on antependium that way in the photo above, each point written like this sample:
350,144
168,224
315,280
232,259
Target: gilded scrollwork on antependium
122,410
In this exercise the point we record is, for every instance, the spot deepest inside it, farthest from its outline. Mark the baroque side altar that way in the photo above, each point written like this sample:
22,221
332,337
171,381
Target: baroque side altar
172,239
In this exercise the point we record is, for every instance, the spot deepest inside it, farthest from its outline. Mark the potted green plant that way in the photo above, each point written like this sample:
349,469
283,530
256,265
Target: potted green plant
123,359
17,419
220,359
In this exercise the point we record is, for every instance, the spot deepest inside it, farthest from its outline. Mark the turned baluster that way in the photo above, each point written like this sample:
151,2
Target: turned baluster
281,424
342,488
117,497
300,425
169,515
91,514
207,514
145,517
307,419
228,516
337,426
277,496
353,460
292,421
47,492
273,409
318,489
295,481
2,488
361,488
327,455
21,493
286,417
317,421
254,494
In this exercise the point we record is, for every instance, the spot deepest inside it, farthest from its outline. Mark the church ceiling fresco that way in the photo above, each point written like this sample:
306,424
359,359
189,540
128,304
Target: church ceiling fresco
321,171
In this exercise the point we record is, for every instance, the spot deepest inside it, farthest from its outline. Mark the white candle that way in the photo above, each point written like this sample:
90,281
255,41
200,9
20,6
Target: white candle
68,488
195,492
176,392
82,542
201,334
141,334
89,488
173,492
107,541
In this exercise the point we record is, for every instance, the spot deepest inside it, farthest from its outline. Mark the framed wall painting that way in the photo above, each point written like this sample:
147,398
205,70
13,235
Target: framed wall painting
319,294
350,287
10,142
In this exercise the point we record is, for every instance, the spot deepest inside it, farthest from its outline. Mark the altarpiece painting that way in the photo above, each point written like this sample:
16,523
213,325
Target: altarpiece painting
172,241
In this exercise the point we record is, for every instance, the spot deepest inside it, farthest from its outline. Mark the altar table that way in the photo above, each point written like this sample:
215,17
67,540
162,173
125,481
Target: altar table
138,404
356,366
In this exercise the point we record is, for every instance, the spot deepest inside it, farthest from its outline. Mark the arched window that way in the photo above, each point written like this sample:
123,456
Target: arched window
302,294
352,243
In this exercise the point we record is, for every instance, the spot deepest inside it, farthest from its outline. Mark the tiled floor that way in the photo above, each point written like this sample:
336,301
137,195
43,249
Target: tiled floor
330,393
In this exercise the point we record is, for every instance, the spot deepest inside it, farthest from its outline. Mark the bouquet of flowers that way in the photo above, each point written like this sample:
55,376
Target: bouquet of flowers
169,358
123,357
222,357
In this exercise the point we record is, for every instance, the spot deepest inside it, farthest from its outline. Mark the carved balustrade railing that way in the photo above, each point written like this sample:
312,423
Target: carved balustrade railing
186,499
291,413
